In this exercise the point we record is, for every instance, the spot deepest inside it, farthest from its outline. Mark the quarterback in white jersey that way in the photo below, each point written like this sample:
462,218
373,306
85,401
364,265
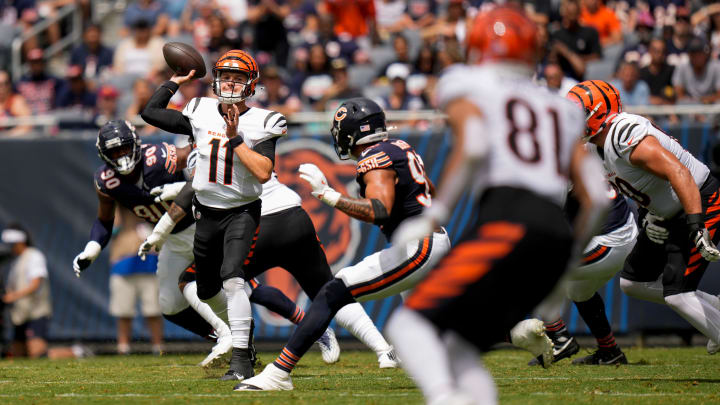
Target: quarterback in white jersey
517,146
674,191
237,154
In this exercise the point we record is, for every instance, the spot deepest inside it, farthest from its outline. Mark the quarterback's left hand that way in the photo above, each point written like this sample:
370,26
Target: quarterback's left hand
320,188
413,229
167,192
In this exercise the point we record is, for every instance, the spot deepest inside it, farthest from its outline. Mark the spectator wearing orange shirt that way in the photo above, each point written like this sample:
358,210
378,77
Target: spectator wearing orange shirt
355,18
595,14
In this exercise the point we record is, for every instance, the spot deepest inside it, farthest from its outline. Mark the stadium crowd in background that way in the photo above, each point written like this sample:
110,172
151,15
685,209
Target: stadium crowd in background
313,55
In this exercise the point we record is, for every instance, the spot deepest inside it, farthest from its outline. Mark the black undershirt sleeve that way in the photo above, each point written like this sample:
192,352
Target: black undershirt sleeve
157,114
184,198
267,148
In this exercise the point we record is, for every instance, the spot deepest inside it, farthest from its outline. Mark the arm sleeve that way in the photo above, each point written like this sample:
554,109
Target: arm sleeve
267,148
184,198
101,232
156,113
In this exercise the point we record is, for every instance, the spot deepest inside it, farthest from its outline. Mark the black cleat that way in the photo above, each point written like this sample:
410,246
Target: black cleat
240,366
564,346
251,345
603,358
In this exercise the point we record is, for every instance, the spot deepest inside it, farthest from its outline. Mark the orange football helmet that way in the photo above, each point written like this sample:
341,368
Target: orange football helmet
235,61
601,102
503,33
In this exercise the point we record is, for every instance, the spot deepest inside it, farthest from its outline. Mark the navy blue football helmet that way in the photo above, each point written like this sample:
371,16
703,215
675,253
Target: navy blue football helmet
119,145
358,121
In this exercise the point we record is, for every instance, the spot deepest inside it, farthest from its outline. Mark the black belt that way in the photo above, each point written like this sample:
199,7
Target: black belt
211,211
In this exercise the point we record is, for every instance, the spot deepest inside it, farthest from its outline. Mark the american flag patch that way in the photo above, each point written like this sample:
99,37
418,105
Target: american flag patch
364,128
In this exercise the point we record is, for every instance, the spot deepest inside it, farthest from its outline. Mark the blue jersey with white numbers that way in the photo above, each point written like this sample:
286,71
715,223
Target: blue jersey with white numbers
159,167
412,191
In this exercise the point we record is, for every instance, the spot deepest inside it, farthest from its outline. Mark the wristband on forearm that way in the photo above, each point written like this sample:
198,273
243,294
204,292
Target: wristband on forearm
695,222
235,141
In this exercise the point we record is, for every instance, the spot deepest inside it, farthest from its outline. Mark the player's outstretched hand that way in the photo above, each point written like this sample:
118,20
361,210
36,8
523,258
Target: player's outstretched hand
180,79
320,188
413,229
155,240
654,231
83,260
705,245
167,192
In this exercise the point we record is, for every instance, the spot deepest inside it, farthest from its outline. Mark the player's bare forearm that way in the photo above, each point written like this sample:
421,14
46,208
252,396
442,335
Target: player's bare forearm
687,191
176,213
260,166
361,209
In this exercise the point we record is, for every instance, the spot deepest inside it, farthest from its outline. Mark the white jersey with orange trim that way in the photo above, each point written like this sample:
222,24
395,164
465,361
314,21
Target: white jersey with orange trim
221,180
648,190
277,197
529,133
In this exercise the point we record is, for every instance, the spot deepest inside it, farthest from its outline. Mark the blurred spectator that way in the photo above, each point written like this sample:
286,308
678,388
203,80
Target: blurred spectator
556,81
318,79
632,90
402,53
38,87
573,44
92,56
174,11
270,36
133,280
142,91
340,90
151,11
699,79
595,14
391,17
141,54
75,94
275,95
638,51
353,18
299,69
194,20
235,10
452,25
28,290
422,12
185,93
658,74
399,98
681,35
12,105
423,77
707,21
107,105
302,22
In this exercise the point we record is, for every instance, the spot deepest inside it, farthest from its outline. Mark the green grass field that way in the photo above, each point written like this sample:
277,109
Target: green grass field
655,376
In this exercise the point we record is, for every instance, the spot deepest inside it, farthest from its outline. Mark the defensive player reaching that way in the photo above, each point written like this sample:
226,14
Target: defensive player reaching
393,186
145,179
668,182
602,258
236,154
517,146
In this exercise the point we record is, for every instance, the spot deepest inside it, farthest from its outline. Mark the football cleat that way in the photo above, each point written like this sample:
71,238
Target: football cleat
712,347
603,358
329,347
388,359
564,346
215,358
530,335
240,366
271,379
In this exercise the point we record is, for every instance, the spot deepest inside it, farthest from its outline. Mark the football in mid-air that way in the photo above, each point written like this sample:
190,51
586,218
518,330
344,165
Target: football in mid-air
182,58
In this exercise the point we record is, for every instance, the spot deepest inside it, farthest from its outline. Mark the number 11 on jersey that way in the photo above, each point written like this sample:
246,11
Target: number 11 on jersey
214,155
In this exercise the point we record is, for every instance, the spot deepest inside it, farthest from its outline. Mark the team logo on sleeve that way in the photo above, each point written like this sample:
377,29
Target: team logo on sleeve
339,235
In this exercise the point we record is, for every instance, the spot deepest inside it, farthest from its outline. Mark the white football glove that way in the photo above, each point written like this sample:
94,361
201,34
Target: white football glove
158,236
705,245
320,188
655,232
167,192
86,257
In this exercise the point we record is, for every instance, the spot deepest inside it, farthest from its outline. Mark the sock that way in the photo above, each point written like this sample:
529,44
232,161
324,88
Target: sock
592,312
644,290
354,318
239,311
286,361
556,327
274,300
189,319
423,353
206,310
700,313
123,348
471,377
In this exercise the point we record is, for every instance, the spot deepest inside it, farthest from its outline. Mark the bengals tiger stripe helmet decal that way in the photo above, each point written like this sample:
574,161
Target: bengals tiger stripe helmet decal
601,102
503,33
236,61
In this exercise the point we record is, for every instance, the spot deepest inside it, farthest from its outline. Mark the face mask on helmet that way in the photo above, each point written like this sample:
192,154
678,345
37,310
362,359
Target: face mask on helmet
119,146
232,86
358,121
